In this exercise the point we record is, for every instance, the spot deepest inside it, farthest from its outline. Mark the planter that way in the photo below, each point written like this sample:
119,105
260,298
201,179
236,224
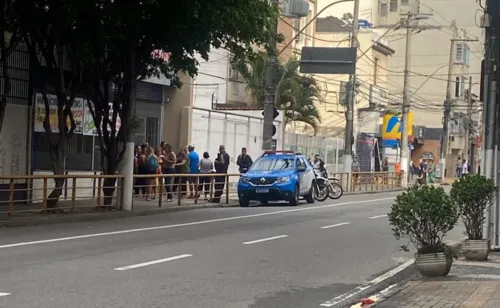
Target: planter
476,250
433,264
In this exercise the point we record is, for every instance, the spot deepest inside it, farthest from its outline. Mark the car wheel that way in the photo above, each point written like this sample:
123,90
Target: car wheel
294,201
244,202
310,196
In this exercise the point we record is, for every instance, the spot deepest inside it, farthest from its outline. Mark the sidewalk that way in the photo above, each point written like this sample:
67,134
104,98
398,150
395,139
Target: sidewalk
469,285
29,215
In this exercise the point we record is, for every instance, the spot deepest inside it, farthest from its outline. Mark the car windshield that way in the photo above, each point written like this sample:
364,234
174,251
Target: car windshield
268,164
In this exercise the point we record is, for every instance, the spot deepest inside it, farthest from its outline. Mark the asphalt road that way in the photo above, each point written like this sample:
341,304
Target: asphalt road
262,257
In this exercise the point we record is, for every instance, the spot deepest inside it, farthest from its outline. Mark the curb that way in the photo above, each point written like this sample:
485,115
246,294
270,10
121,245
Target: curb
351,193
89,217
37,220
384,294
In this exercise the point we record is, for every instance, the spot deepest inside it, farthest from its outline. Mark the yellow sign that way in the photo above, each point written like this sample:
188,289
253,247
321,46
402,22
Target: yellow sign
392,128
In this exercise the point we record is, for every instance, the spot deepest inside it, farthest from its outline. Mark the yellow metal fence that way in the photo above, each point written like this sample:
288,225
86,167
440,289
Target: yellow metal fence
34,194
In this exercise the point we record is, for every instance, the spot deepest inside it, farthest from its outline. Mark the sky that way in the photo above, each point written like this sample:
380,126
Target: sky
339,9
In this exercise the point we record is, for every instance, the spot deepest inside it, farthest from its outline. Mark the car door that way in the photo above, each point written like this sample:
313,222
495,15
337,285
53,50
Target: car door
299,163
308,176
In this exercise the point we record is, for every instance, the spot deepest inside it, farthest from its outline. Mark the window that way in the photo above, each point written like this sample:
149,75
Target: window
462,54
460,86
301,163
405,2
309,29
233,72
383,9
297,25
267,164
393,6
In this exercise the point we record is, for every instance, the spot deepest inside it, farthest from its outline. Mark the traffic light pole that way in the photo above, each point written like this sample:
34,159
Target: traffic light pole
349,123
271,65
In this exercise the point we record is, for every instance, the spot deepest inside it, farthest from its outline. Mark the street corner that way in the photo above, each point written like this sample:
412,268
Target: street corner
377,289
469,284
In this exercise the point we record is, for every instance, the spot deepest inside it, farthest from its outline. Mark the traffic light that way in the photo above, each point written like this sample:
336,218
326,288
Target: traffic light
275,115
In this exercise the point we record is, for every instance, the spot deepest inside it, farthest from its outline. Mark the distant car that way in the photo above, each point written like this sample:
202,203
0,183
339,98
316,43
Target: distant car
277,176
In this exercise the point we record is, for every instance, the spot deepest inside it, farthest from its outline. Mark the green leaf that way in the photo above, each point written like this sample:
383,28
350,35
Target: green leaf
424,215
474,194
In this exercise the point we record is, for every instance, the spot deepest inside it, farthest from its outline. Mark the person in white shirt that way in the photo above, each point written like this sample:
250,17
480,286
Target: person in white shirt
465,168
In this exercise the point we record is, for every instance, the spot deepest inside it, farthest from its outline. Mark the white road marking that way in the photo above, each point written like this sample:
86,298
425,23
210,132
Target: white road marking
378,216
152,262
4,294
265,239
84,236
336,225
342,298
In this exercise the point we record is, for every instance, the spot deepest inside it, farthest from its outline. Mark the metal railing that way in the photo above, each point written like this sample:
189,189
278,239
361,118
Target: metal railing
32,194
162,188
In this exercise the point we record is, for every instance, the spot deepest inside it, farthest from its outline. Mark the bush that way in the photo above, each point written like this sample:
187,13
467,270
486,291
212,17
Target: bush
473,195
424,214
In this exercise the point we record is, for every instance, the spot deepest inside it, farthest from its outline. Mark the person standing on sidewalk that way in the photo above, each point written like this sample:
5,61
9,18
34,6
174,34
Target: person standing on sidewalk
221,166
169,168
244,161
206,167
355,169
193,162
459,168
181,167
465,168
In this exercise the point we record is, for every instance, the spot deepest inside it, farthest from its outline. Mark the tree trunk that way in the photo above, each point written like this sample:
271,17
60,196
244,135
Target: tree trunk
108,190
57,157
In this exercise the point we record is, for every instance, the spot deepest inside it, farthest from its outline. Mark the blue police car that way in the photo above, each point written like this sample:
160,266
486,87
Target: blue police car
277,176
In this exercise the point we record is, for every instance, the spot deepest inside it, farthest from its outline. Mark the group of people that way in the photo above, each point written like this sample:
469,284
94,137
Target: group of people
462,168
426,170
183,173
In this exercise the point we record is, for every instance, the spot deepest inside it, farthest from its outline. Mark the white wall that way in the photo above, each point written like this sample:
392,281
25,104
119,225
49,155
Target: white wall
234,129
212,79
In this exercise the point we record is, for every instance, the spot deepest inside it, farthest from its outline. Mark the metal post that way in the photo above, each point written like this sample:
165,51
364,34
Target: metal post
406,104
267,132
468,125
490,149
349,125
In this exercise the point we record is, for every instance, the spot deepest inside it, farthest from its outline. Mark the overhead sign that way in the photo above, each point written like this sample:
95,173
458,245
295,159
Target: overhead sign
328,60
392,128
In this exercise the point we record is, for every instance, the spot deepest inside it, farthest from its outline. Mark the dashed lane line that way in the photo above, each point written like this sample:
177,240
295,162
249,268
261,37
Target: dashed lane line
152,262
267,239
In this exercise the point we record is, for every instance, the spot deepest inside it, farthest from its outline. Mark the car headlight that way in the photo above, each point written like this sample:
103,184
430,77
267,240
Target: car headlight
284,179
244,180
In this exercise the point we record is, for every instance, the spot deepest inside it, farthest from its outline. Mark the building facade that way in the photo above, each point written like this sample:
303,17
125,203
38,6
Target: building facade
372,96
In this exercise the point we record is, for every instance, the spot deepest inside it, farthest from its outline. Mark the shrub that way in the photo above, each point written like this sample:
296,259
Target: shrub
424,214
473,195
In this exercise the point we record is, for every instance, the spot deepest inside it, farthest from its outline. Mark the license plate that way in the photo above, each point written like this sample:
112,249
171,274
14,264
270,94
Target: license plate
262,190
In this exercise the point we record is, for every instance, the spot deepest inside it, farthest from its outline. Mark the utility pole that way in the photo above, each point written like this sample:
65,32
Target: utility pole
404,161
272,61
468,124
351,97
410,26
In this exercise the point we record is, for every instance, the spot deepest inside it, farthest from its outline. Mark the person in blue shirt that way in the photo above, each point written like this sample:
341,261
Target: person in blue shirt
193,163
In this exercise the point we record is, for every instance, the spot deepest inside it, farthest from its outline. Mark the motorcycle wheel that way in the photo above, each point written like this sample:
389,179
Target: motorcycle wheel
336,191
320,192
